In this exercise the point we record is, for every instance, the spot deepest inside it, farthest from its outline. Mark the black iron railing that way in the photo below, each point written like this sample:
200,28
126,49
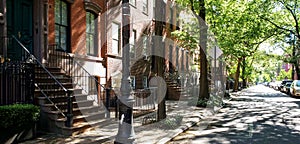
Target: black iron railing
53,87
16,82
89,84
145,99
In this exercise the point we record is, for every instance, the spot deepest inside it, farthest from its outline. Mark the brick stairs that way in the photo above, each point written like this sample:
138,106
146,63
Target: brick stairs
85,113
175,91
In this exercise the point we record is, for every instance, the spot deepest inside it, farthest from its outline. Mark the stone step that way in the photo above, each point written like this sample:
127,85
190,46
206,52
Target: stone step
49,79
64,105
67,85
61,98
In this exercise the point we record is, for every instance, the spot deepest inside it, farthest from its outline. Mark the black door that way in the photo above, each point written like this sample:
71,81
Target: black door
19,24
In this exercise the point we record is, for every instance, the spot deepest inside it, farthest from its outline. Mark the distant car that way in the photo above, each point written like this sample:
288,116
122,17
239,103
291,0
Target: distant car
295,88
283,82
286,88
276,85
272,84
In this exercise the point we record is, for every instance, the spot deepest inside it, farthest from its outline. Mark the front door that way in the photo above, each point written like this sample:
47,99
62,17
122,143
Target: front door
19,24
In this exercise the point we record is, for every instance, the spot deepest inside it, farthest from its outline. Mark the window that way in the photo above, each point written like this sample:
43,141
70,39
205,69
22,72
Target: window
115,38
132,82
91,34
177,57
145,81
132,2
170,52
132,41
145,6
92,85
171,17
177,19
61,24
145,44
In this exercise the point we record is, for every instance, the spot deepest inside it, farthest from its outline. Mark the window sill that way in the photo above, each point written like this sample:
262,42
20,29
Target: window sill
132,5
88,58
114,56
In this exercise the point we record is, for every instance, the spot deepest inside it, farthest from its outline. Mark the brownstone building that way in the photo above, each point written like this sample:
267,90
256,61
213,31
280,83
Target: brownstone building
70,53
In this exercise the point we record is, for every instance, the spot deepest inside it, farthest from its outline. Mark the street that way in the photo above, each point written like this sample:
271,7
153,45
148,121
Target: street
257,115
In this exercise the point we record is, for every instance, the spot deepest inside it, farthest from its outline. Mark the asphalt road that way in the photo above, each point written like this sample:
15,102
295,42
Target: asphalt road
257,115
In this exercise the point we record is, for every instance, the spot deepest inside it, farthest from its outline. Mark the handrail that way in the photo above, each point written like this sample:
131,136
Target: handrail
35,59
75,62
60,111
90,75
69,109
60,49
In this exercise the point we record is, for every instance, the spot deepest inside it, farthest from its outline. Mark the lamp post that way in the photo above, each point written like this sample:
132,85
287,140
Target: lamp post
125,131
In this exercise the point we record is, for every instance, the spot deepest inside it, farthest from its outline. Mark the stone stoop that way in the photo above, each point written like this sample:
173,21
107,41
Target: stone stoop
85,113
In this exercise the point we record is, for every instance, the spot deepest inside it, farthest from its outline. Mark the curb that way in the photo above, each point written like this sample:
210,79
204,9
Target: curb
185,127
179,130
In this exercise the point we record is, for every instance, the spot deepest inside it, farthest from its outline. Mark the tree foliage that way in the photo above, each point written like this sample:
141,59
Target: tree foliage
239,32
283,15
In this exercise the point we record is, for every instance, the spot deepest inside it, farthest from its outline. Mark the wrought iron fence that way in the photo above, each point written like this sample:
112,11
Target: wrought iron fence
16,82
41,72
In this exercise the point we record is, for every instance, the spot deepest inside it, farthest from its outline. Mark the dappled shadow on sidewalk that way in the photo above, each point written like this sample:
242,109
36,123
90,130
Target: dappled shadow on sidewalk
246,120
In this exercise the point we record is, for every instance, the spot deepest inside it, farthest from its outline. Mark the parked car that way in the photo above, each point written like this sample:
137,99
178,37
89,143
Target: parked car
275,85
283,82
286,88
272,84
295,88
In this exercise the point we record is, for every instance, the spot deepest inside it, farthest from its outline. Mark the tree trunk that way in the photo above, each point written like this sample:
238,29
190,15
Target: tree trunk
159,62
162,104
204,84
237,76
297,70
244,84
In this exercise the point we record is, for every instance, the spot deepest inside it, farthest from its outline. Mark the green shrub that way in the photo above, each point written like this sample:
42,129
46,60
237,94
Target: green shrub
18,116
198,103
170,122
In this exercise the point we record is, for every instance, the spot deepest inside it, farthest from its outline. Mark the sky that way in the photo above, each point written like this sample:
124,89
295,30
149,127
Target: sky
271,49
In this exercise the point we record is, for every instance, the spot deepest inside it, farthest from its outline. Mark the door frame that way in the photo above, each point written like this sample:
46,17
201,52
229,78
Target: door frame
39,27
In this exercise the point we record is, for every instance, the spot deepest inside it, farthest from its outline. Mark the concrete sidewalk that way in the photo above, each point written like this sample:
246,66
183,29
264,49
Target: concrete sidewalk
159,132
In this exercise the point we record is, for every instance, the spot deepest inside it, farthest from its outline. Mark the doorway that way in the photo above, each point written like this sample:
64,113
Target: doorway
19,24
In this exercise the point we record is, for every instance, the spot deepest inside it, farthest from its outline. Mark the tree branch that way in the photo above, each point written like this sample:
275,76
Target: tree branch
277,26
294,17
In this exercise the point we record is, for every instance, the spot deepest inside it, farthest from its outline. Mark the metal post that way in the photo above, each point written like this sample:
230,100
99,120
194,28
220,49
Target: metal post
125,130
69,122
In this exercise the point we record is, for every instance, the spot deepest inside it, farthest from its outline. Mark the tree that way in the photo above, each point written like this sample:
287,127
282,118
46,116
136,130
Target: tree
238,30
284,16
197,7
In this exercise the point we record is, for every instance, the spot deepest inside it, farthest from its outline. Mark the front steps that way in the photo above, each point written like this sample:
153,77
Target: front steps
86,113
